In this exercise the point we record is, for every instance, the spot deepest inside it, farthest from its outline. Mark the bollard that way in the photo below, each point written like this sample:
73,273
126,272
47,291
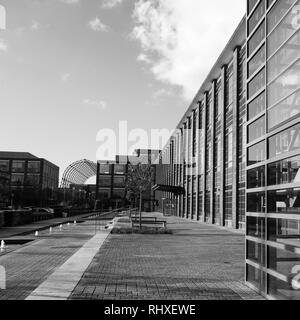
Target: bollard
75,222
50,230
36,234
2,247
60,227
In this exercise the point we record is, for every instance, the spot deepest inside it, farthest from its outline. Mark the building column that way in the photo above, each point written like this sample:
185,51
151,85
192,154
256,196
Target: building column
204,155
185,142
212,155
223,125
196,169
235,133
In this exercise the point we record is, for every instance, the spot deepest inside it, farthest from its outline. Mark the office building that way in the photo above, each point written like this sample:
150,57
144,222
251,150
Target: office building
30,180
236,152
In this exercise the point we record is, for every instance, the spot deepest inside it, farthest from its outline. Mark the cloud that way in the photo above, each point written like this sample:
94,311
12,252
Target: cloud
181,40
102,105
97,25
143,58
3,46
108,4
65,77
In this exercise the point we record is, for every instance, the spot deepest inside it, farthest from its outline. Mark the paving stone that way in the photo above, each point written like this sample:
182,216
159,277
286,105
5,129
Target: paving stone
197,262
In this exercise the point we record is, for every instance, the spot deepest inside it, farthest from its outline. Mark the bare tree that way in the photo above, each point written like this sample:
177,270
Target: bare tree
138,182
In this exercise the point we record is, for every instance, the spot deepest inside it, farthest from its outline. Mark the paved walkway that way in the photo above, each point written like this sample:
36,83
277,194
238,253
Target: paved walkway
197,262
31,265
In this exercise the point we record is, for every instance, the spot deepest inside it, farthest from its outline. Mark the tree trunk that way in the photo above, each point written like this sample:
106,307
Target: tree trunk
140,210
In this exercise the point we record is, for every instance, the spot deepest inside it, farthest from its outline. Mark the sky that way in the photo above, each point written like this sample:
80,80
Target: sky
71,68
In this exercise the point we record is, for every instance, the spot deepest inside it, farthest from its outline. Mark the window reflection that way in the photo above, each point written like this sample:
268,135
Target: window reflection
256,153
285,84
286,110
257,129
284,172
284,30
286,141
257,61
256,227
256,39
256,178
256,16
255,252
256,202
257,106
284,57
256,84
284,201
277,12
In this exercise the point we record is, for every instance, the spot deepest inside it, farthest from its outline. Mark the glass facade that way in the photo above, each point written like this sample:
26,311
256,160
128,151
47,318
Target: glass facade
237,150
273,150
207,155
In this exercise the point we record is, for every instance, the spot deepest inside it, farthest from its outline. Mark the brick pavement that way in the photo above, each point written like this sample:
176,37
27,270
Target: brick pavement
30,265
197,262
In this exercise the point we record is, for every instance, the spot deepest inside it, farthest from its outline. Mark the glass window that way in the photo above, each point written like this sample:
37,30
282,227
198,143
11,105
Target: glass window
256,178
256,84
277,12
270,2
284,231
104,194
257,129
284,142
18,166
286,27
284,172
256,227
256,39
229,87
256,202
284,57
32,179
256,16
256,153
17,179
257,61
285,263
119,193
283,290
119,169
4,165
286,110
119,181
255,252
33,166
104,181
255,277
257,106
284,201
285,84
251,5
104,169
